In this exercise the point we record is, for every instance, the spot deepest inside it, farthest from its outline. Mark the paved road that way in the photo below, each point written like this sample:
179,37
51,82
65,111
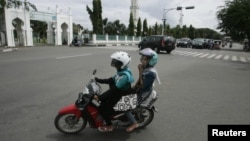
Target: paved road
196,91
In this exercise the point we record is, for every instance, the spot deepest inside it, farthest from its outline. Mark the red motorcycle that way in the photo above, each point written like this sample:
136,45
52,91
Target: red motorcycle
74,117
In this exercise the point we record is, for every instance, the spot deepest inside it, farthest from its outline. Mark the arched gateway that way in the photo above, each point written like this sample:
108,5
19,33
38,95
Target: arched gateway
16,29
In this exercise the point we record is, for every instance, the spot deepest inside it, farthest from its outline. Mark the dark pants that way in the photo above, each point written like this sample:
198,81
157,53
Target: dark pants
107,103
106,110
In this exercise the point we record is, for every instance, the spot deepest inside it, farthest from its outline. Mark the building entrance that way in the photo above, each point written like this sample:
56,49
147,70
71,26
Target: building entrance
20,23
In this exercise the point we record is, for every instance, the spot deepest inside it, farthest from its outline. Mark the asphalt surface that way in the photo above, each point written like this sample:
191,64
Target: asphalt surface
195,92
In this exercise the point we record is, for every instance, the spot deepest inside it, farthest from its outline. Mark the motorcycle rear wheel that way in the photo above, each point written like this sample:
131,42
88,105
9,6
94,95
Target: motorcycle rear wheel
69,123
144,116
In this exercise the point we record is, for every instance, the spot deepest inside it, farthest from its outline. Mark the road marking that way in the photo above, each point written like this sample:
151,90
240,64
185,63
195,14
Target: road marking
119,47
197,54
211,56
186,53
64,57
189,53
214,56
174,52
204,55
218,57
234,58
242,59
177,51
226,57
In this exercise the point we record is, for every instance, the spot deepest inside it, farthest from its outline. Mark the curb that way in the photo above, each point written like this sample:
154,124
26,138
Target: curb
9,50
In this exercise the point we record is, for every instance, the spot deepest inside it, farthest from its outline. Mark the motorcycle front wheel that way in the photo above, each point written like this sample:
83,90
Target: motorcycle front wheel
69,123
144,116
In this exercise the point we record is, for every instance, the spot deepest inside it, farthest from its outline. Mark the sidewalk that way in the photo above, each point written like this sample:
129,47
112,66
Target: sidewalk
235,47
4,49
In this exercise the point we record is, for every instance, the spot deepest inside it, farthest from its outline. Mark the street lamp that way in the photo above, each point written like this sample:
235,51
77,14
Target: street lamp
181,14
165,11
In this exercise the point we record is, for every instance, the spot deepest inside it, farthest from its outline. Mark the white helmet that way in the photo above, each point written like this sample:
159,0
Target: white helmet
122,57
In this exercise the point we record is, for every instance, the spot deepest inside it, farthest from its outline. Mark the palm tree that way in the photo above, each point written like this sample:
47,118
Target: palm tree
114,28
39,29
2,5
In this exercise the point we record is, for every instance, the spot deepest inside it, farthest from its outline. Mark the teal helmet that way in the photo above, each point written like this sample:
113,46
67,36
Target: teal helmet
152,55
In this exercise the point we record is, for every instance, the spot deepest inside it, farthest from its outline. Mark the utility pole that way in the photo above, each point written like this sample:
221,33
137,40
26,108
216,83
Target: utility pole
165,11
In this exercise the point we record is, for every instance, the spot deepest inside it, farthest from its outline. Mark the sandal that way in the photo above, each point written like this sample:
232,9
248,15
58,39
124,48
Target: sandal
106,128
132,127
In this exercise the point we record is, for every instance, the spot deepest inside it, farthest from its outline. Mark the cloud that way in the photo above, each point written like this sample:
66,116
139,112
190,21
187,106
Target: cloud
202,16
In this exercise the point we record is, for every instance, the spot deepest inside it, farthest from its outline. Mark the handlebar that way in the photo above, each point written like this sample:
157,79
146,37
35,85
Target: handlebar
93,74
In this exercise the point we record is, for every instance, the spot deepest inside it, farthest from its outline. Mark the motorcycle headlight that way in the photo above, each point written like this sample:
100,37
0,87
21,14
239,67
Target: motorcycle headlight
94,88
85,90
82,100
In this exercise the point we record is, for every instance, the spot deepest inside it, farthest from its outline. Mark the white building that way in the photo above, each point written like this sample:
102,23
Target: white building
16,30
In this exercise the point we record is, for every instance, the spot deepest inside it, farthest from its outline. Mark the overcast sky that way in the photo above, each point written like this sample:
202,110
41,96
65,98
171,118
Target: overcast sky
202,16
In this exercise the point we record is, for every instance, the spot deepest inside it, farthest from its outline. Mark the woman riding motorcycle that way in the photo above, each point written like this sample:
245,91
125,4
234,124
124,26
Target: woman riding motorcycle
119,84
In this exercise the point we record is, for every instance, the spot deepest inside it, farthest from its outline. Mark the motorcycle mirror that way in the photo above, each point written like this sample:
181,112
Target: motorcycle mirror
94,72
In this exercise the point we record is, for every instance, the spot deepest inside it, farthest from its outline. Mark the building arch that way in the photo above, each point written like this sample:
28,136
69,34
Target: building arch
65,33
18,32
59,26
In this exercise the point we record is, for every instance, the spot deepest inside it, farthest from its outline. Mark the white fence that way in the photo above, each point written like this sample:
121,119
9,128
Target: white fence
114,40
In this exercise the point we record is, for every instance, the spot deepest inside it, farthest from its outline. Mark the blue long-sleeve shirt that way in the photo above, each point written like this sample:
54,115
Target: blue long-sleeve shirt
148,78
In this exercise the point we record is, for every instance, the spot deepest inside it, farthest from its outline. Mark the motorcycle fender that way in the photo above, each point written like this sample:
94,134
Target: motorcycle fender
70,109
155,109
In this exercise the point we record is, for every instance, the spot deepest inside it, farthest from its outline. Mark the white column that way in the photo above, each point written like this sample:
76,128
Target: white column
50,33
27,32
10,38
58,31
9,29
94,38
70,27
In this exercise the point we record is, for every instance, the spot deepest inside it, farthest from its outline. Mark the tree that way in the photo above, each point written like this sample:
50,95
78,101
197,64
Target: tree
118,27
131,26
150,31
177,32
156,28
145,28
114,28
167,30
2,5
122,29
234,18
138,33
191,32
105,23
15,4
77,28
184,31
39,29
96,16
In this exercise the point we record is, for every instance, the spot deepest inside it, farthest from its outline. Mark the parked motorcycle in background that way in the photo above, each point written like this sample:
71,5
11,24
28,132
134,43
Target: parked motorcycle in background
74,117
77,41
231,44
246,47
